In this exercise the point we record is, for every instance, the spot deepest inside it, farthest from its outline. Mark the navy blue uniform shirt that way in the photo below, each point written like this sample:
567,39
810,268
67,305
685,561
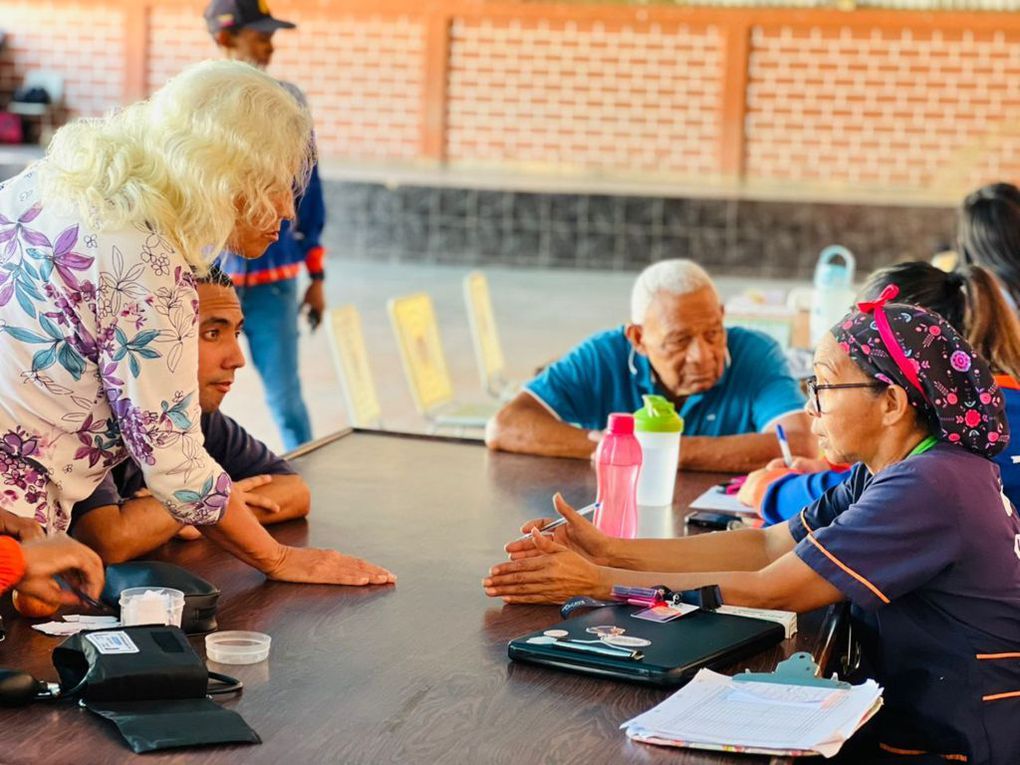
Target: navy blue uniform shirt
928,553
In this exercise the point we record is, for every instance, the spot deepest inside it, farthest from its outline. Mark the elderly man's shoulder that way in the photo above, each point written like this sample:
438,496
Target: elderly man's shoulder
609,341
750,346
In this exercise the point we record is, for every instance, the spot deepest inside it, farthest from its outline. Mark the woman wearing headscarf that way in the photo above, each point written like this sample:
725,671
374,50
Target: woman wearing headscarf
920,539
969,299
98,308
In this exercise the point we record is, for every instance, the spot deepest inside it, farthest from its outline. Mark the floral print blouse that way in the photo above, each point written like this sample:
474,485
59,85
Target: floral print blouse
99,353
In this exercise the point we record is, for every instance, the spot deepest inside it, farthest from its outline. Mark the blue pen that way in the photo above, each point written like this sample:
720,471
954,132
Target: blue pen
784,446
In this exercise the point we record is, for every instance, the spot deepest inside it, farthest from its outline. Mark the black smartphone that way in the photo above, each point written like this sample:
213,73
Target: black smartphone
720,521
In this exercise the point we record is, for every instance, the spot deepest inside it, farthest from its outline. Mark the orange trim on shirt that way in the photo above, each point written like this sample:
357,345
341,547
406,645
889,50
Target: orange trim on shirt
268,276
847,569
1007,381
803,519
897,750
1013,655
997,696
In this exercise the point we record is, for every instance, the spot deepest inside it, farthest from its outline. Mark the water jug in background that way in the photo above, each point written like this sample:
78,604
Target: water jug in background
617,465
657,428
834,290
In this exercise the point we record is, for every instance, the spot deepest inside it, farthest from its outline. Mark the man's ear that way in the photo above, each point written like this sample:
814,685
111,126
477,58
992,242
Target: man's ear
224,39
635,334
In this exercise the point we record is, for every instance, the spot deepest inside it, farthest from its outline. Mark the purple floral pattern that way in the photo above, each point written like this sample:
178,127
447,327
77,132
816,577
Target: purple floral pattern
98,333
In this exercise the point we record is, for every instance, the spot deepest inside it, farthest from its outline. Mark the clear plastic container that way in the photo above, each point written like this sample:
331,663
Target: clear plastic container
237,647
151,605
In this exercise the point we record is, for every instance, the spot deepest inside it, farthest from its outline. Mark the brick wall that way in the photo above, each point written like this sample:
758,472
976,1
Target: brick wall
896,108
83,42
583,95
733,102
362,75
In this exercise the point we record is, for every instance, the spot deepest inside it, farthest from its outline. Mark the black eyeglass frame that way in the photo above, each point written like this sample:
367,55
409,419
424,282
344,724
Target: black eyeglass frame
813,388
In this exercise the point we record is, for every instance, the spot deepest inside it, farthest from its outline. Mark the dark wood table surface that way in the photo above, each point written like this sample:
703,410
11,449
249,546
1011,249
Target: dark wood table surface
416,673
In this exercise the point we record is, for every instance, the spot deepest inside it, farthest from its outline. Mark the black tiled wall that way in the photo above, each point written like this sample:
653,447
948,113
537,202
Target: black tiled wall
474,227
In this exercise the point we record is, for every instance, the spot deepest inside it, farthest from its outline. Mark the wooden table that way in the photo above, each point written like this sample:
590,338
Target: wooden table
416,673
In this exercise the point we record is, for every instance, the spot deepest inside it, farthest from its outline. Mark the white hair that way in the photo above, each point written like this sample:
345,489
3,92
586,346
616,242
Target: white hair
676,277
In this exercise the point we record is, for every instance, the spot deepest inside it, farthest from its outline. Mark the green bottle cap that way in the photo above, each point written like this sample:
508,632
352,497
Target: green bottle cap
658,416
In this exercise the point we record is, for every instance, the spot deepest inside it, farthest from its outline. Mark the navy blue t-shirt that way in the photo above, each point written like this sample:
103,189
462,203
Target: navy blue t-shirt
928,553
595,379
236,451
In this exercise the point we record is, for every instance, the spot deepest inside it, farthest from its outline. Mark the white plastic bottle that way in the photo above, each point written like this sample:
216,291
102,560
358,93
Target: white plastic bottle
657,427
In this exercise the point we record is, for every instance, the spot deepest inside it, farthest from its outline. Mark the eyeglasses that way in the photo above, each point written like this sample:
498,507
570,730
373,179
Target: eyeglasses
815,405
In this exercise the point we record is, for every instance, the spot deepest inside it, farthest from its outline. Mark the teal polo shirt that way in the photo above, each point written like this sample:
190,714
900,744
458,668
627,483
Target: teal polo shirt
594,380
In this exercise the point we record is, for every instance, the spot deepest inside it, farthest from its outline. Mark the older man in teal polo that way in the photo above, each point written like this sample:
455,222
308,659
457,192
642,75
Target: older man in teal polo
733,386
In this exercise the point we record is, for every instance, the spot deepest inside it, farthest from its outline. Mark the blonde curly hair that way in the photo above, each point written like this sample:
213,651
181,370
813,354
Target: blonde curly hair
221,141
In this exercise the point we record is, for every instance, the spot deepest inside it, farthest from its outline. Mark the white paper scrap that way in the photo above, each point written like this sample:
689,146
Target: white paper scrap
75,623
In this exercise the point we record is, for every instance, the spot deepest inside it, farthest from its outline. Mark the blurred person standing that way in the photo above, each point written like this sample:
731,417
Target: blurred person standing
268,287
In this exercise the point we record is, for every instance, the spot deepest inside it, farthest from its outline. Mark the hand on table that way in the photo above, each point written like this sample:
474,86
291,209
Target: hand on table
577,534
247,486
554,575
311,566
22,529
59,554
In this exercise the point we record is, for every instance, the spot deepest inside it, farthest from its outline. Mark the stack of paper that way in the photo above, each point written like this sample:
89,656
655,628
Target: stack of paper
715,712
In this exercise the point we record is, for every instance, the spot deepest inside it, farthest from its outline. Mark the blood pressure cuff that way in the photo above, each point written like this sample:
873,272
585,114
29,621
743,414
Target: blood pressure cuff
200,596
150,683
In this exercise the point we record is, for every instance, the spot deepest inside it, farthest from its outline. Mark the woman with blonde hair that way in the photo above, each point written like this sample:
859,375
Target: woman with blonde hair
98,245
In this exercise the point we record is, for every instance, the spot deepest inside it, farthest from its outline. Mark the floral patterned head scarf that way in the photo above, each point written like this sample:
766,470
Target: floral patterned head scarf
919,351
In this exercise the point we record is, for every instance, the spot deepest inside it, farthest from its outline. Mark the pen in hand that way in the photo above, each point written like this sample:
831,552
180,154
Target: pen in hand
784,446
584,512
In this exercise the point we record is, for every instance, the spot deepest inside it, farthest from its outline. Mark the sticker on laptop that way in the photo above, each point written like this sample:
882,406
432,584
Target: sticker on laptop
664,613
112,642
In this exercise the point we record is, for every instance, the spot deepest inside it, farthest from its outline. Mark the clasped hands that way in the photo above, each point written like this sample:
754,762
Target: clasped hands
551,567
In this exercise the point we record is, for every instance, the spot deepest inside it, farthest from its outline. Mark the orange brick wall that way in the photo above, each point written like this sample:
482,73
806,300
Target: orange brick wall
896,108
84,42
560,94
758,101
362,76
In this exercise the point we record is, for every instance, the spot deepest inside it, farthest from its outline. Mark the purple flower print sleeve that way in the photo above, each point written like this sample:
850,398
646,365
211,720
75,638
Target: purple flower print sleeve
147,311
99,347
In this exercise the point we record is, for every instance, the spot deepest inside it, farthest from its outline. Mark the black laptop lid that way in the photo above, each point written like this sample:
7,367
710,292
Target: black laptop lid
678,648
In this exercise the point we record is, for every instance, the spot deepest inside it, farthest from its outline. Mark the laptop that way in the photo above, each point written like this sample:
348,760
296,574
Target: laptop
675,650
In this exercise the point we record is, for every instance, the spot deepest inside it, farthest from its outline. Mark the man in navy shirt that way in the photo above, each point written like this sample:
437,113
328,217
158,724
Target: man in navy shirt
732,387
119,520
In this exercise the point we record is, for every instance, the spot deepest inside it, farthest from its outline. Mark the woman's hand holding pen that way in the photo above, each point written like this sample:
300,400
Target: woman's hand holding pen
578,534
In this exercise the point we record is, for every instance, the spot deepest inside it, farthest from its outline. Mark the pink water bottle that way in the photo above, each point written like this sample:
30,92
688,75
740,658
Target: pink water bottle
617,465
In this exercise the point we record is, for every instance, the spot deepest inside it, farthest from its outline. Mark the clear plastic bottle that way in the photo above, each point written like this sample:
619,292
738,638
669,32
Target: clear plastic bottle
617,465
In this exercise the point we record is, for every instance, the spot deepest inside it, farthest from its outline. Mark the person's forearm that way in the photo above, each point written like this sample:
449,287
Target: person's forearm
737,550
539,435
239,533
291,495
729,454
129,531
